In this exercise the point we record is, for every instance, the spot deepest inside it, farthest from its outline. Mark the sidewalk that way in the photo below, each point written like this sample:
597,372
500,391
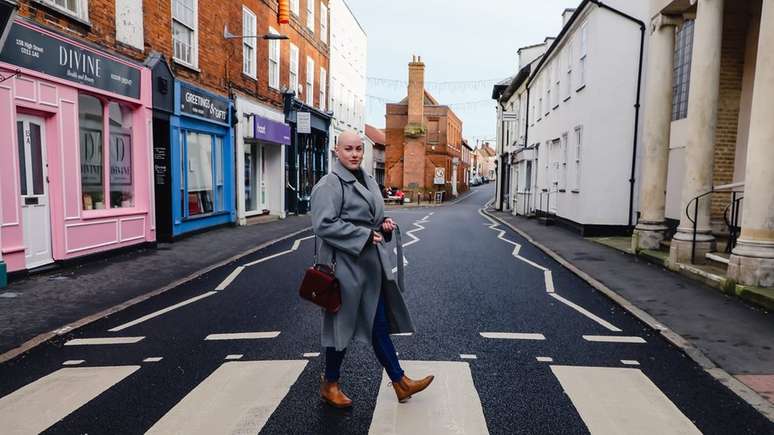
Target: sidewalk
732,335
35,306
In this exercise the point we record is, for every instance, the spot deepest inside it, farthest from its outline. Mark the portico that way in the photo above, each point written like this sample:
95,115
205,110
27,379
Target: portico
709,127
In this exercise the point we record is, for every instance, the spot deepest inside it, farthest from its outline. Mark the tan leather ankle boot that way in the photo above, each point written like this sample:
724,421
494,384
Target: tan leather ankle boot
407,387
332,394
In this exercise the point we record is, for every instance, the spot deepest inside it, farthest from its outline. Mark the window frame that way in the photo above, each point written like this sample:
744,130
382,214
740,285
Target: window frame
81,14
323,89
681,72
309,89
310,15
583,57
249,43
295,7
294,57
274,59
194,64
324,23
578,157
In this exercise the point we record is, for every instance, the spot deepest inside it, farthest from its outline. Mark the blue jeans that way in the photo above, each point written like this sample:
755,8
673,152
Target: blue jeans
383,348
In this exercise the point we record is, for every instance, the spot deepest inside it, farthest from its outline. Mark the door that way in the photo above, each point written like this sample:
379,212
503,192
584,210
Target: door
33,180
255,179
555,163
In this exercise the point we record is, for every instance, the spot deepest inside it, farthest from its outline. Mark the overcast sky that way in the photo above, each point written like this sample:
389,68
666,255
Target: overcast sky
458,40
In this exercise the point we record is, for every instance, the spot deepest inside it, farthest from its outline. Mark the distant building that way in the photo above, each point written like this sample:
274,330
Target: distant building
378,139
424,141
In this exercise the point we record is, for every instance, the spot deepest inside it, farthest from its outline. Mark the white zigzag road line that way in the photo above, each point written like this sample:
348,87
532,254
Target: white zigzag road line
414,238
547,275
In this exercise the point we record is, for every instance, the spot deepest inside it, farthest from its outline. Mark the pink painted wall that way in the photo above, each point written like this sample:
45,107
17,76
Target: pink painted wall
75,232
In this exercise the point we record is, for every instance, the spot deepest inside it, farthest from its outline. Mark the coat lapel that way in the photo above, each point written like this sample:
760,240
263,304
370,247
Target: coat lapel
347,177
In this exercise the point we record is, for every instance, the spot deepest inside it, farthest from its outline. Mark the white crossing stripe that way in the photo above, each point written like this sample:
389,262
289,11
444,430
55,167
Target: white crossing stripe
586,313
311,354
450,405
103,341
160,312
243,336
614,339
237,398
545,359
630,362
467,356
621,401
37,406
403,334
153,359
234,357
513,336
73,362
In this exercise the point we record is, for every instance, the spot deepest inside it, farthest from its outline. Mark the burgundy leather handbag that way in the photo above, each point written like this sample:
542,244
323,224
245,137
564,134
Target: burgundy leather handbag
320,285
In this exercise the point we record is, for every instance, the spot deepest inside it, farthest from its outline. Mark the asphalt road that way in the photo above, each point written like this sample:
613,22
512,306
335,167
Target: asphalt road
517,343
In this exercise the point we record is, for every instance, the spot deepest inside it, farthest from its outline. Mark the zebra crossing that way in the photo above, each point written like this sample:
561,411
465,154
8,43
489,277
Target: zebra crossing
239,397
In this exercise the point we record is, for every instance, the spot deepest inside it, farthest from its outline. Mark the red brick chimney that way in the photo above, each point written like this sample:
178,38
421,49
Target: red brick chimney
416,91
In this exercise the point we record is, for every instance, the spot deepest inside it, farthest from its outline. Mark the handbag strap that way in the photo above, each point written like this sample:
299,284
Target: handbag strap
341,209
399,253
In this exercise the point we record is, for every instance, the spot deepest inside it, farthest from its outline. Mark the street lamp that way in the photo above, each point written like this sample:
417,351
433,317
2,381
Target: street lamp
268,36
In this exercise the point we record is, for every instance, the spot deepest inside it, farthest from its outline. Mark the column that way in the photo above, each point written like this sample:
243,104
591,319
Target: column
702,120
651,226
752,261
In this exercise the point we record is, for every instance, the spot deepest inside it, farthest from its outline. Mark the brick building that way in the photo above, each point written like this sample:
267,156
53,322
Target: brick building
424,141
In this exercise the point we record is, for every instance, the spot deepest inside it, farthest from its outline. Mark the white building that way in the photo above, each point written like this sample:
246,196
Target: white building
579,131
347,96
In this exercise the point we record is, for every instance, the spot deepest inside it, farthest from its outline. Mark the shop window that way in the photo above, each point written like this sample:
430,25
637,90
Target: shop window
91,128
202,187
184,38
121,182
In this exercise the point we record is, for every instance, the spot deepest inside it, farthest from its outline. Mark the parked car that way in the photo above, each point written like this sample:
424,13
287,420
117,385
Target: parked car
475,180
484,180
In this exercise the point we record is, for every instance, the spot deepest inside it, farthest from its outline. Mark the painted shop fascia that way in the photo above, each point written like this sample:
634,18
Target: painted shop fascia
193,155
307,158
71,111
261,144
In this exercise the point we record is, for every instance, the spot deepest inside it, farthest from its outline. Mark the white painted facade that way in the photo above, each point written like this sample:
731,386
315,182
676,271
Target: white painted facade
582,116
348,57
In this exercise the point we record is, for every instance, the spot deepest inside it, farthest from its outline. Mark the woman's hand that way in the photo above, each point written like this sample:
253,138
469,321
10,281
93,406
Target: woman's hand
377,238
389,225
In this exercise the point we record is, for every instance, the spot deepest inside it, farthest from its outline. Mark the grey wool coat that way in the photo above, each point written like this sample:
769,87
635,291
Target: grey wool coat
363,269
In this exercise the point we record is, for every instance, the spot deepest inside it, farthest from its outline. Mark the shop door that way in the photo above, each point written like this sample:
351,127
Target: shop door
33,178
255,179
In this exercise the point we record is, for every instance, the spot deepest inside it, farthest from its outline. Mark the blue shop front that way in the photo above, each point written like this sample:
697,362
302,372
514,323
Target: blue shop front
193,157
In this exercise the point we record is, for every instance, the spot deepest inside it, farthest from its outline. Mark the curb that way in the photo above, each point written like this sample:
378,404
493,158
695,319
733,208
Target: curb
741,390
46,336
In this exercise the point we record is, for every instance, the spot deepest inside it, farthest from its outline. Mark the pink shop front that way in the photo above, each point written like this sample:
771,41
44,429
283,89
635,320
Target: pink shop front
75,168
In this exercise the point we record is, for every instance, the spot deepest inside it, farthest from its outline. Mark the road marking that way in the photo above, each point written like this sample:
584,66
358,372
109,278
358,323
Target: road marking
449,406
630,362
237,398
513,336
549,278
621,400
103,341
545,359
153,359
586,313
311,354
467,356
403,334
296,245
243,336
230,278
160,312
613,339
73,362
37,406
415,239
234,357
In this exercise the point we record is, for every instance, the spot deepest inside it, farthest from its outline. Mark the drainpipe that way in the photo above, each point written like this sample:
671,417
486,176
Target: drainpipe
637,103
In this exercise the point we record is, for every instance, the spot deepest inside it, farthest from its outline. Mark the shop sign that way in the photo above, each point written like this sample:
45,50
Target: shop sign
271,131
121,159
440,176
32,49
304,122
199,103
91,157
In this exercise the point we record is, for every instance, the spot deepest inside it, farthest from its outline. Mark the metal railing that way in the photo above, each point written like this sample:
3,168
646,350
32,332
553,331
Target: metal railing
732,223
